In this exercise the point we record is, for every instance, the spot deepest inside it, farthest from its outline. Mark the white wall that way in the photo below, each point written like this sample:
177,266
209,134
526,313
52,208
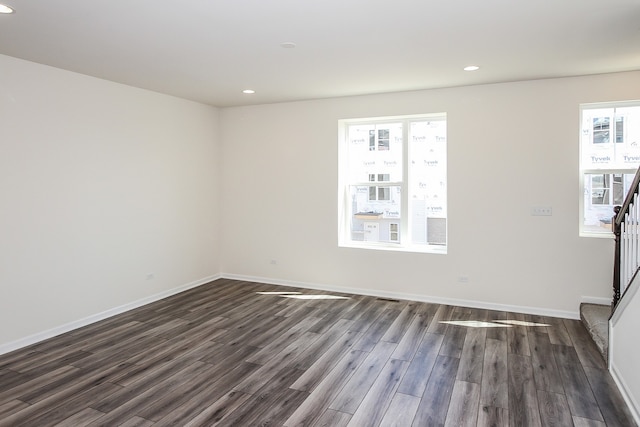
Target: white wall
624,348
511,146
103,184
100,185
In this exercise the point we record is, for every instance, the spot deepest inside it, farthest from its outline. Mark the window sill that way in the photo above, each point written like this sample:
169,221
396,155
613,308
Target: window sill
597,235
423,249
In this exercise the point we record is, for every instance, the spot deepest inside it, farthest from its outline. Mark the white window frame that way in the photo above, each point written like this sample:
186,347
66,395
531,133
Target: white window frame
585,231
404,222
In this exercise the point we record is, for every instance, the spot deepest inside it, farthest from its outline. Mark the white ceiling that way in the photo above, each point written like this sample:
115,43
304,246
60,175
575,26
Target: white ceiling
209,51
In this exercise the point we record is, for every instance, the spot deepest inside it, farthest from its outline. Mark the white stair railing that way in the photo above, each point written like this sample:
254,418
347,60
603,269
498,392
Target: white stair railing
626,227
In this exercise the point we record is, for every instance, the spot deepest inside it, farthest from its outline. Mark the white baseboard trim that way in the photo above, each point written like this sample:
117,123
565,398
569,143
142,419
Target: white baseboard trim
595,300
412,297
633,406
50,333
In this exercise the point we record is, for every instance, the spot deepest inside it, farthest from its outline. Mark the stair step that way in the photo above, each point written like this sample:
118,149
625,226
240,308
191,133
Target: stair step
595,318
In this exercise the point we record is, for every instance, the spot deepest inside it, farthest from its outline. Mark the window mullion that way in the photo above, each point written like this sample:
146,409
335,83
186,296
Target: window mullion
405,238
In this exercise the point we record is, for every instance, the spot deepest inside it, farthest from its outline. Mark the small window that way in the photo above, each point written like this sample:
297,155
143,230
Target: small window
601,130
619,129
379,140
379,193
383,140
600,186
394,235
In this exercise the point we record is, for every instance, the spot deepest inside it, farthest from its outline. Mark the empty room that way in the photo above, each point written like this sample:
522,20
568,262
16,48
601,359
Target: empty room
329,213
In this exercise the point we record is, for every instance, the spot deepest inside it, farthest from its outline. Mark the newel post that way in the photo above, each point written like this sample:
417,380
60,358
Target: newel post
616,228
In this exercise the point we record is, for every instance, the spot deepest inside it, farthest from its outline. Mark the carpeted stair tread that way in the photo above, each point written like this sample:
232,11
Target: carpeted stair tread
595,318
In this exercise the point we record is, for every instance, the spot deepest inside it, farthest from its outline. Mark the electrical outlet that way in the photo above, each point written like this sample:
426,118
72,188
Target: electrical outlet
463,279
273,262
150,276
541,211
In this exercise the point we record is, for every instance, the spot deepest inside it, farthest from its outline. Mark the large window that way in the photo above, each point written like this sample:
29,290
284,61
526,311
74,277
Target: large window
610,156
393,183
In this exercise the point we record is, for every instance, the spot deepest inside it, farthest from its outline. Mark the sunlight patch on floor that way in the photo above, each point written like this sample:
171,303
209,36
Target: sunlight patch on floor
521,323
475,324
492,324
279,293
314,297
299,295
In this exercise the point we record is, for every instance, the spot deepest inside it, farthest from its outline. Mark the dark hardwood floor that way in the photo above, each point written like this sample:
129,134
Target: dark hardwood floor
236,353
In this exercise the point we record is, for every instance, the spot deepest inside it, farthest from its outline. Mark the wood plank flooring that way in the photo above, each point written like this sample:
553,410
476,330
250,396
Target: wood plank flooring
234,353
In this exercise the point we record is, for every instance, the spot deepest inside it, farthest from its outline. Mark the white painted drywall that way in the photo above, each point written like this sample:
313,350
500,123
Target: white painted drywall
510,147
101,185
624,347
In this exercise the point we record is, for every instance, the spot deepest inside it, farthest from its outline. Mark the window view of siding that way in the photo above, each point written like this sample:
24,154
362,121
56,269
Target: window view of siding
610,155
393,175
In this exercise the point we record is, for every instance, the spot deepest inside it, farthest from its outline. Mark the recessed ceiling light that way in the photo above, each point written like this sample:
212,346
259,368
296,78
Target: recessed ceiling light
288,45
248,91
471,68
5,9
